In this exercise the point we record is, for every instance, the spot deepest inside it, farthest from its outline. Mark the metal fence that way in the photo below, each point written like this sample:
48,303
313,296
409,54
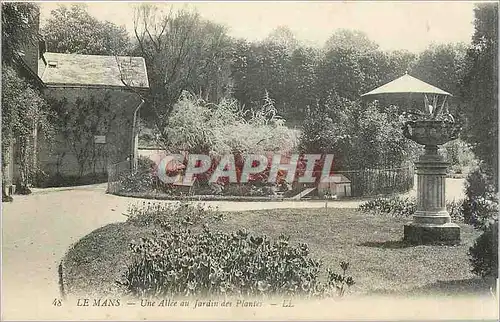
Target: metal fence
363,183
372,182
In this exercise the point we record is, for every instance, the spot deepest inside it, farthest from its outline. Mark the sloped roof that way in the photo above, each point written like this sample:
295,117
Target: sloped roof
407,84
94,70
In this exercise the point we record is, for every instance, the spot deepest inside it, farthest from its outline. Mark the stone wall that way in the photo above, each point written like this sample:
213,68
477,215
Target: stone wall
61,157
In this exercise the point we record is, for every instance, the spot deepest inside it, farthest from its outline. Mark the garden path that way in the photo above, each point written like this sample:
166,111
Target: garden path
38,229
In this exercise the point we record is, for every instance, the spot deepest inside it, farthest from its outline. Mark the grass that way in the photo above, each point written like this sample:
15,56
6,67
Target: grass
380,262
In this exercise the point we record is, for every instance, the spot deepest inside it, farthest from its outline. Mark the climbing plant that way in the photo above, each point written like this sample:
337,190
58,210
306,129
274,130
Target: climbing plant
24,113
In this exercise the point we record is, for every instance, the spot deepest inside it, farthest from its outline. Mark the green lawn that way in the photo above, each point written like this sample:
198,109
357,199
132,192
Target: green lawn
380,262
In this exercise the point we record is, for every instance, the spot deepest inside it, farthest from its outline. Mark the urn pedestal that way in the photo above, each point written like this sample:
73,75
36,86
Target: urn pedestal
431,222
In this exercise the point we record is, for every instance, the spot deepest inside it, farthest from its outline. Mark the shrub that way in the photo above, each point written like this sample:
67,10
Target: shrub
188,258
184,263
478,184
145,164
480,208
396,206
359,136
484,253
136,182
171,215
459,154
406,207
479,211
197,126
481,202
455,210
141,180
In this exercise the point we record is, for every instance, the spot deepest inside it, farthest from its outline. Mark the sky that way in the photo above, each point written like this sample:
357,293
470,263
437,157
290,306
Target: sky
393,25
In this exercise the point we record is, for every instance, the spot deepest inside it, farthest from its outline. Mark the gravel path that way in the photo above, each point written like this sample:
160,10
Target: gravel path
38,229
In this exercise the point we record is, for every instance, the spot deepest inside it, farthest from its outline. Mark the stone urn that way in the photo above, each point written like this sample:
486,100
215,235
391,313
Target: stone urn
431,222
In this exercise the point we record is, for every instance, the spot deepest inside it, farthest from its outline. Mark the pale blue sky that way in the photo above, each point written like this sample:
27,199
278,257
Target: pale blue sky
393,25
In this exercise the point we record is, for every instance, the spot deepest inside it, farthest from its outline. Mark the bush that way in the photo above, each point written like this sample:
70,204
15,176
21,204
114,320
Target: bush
481,203
484,253
197,126
140,181
459,154
359,136
479,211
478,184
396,206
480,208
145,164
172,215
188,258
406,207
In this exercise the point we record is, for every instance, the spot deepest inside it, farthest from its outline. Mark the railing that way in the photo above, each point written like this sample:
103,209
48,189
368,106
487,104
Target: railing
365,182
372,182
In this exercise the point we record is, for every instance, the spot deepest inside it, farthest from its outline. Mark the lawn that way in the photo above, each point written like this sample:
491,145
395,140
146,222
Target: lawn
380,262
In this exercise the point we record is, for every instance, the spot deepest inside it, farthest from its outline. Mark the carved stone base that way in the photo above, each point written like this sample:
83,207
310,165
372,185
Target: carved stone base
425,234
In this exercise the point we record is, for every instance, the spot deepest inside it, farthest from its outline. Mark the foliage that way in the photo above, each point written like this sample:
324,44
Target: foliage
199,127
460,156
136,182
480,211
145,164
79,119
359,137
480,88
182,52
351,64
74,31
405,207
478,184
480,206
484,253
350,40
19,28
173,215
24,112
141,180
442,66
396,206
284,37
184,261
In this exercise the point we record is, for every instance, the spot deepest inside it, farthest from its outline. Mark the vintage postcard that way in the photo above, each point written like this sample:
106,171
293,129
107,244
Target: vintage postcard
249,160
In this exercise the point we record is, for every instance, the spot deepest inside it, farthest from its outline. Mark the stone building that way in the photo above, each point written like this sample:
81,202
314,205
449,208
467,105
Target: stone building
78,82
109,89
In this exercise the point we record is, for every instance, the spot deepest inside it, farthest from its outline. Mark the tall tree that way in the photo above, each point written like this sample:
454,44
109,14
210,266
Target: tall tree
398,63
283,36
182,52
480,88
442,66
352,64
73,30
301,82
350,40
